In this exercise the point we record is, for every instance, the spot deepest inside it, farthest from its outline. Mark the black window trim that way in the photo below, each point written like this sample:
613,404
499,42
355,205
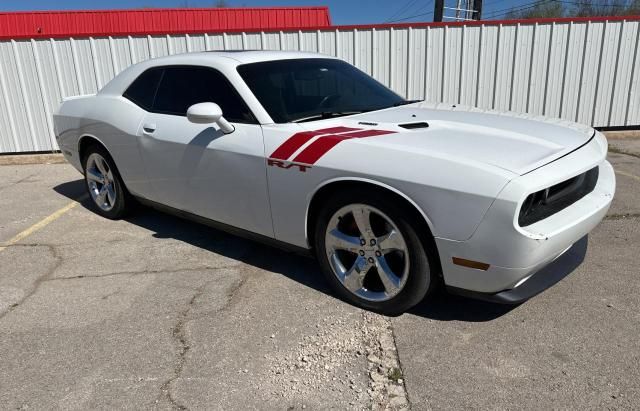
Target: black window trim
155,93
239,71
124,93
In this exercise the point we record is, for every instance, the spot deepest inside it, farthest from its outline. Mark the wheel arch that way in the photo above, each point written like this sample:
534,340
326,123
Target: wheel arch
329,187
85,141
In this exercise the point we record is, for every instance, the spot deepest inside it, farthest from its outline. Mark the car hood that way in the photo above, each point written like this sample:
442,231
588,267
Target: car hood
515,142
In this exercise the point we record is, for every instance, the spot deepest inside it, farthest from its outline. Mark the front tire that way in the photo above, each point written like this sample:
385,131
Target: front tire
370,252
104,184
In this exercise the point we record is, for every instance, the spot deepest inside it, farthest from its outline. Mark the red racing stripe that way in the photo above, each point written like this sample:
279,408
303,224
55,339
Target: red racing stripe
318,148
286,149
293,143
339,129
367,133
321,146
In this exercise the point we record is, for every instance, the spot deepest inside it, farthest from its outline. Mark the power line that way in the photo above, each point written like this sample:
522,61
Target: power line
407,6
527,6
417,12
497,13
492,2
421,10
414,16
427,5
517,8
590,4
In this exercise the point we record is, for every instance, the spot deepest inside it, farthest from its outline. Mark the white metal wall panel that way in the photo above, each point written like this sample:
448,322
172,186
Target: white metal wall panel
573,70
633,103
416,64
272,41
363,55
548,74
14,99
538,61
8,135
435,59
345,47
590,67
623,73
487,65
581,71
504,67
469,65
606,75
521,68
380,63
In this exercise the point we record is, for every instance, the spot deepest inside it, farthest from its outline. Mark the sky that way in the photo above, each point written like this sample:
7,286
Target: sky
342,11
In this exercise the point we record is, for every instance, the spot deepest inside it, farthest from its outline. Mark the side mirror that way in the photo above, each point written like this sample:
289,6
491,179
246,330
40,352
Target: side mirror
207,113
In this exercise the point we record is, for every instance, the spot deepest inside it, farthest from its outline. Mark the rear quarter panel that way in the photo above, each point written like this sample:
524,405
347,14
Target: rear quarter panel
113,121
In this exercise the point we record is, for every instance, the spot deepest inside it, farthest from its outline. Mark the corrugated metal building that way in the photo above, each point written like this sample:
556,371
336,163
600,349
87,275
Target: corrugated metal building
57,24
585,70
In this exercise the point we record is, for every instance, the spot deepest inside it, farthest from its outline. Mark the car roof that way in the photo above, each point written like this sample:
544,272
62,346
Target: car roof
227,58
243,56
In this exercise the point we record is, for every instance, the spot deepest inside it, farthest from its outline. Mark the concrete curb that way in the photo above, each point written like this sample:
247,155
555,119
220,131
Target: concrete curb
615,135
24,159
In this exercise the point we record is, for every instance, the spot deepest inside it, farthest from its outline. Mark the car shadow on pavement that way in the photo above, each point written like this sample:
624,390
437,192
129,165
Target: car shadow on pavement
442,306
304,270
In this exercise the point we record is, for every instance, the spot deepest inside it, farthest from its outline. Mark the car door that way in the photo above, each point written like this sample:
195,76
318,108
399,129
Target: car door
198,168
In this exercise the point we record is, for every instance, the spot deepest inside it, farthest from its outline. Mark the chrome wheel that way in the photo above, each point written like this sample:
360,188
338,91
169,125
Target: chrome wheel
100,182
367,252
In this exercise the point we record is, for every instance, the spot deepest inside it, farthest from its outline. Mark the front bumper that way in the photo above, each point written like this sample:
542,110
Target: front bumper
517,255
548,276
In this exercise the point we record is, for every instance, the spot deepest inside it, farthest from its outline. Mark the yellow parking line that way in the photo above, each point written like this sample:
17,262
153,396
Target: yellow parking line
42,223
622,173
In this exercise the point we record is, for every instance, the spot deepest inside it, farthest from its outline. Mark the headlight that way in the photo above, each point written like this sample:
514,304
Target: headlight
544,203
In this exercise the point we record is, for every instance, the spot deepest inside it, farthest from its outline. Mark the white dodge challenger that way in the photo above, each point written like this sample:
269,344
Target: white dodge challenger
393,197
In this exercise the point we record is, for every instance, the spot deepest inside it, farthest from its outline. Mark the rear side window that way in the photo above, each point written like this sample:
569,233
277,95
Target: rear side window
143,90
183,86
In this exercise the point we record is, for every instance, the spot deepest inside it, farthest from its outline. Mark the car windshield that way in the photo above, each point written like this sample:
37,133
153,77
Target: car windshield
312,89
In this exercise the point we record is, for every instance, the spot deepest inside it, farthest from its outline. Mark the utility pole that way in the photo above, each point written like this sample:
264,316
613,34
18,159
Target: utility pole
439,11
477,10
465,10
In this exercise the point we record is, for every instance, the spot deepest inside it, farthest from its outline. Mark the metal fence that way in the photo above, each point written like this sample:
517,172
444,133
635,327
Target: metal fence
581,70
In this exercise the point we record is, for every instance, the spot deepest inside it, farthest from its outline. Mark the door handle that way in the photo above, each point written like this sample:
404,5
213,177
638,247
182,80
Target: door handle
148,128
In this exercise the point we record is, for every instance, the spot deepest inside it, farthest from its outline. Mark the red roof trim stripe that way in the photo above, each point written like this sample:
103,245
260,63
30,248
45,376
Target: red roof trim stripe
111,25
85,23
326,8
472,23
487,22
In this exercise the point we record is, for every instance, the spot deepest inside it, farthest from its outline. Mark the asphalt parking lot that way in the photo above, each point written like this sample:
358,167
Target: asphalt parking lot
157,312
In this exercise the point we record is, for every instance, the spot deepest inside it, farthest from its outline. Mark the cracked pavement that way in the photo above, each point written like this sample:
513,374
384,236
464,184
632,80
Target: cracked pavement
156,312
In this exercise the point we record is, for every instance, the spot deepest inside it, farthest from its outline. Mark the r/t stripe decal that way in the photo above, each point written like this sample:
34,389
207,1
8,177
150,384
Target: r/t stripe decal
293,143
321,146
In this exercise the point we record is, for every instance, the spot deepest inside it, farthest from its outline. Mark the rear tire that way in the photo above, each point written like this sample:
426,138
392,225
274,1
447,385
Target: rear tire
370,252
104,184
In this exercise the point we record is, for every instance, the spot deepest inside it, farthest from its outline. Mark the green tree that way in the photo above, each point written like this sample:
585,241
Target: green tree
540,10
602,8
576,8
